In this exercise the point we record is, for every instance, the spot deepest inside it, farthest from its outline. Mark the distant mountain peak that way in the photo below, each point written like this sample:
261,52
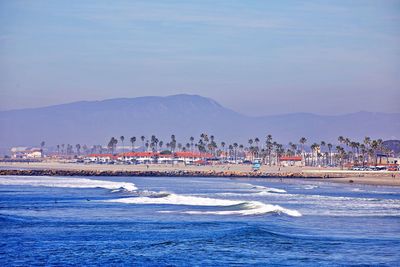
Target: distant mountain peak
93,122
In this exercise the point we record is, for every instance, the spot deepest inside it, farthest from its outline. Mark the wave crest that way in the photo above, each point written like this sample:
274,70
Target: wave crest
226,206
47,181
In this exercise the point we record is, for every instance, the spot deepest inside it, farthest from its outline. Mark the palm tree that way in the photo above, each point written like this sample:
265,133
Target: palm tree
223,146
191,142
122,138
323,144
330,152
256,140
173,143
112,144
341,153
269,147
367,143
303,141
230,147
235,145
133,140
315,152
142,138
42,146
341,139
293,147
78,149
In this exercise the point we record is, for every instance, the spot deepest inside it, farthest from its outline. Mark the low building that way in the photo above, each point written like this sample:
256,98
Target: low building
156,157
26,153
99,158
382,159
137,157
291,161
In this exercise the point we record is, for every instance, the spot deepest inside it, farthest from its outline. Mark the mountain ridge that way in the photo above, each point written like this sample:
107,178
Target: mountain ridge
94,122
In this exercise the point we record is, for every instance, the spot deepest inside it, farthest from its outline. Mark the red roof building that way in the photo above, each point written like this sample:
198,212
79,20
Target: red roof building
290,158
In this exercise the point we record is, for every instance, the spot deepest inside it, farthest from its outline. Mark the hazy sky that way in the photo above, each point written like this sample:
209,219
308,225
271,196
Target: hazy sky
257,57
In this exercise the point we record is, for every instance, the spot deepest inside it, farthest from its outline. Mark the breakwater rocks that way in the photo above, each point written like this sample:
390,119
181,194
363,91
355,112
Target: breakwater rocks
174,173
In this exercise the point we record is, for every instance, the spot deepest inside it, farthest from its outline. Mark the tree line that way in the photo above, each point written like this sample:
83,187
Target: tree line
268,150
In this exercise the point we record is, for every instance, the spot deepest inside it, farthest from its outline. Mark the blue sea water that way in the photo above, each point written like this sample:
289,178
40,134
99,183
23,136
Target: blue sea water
171,221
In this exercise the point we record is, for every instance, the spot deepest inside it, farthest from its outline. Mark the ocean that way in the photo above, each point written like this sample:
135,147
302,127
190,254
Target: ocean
182,221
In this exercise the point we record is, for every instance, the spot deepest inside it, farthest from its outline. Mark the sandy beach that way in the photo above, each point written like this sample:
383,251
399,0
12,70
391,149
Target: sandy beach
324,174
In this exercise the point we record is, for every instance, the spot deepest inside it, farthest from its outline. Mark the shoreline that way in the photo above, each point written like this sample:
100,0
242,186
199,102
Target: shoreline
222,171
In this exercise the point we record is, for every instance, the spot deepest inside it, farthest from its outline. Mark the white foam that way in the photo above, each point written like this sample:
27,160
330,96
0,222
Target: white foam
267,189
174,199
235,207
47,181
255,208
310,187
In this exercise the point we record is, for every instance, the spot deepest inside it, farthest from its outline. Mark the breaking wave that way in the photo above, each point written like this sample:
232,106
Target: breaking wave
229,207
47,181
225,206
266,189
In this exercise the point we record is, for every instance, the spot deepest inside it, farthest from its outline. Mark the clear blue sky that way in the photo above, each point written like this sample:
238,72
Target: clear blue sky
257,57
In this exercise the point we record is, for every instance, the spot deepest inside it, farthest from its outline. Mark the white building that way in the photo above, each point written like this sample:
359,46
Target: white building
26,153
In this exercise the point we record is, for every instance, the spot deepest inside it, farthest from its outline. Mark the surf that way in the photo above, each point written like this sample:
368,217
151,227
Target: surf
227,207
47,181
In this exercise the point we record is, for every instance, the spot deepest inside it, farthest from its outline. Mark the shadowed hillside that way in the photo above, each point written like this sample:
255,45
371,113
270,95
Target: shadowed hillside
94,122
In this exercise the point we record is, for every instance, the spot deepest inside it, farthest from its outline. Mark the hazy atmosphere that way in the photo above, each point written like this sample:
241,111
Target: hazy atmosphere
255,57
199,133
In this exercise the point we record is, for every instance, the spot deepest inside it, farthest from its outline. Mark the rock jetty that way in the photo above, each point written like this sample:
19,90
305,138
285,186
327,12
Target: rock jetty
174,173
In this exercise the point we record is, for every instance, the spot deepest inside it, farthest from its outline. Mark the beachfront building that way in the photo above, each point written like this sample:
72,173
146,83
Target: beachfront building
291,161
191,157
383,159
99,158
137,157
150,157
26,153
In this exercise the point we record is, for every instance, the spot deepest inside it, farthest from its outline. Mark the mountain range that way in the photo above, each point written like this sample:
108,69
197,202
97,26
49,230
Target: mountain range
94,122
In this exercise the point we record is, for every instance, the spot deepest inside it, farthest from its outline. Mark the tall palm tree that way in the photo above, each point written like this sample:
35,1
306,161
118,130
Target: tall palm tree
293,147
256,141
191,142
143,138
323,144
78,149
269,145
367,143
42,146
341,139
230,147
122,138
341,153
173,143
112,144
223,147
235,146
303,141
330,152
133,140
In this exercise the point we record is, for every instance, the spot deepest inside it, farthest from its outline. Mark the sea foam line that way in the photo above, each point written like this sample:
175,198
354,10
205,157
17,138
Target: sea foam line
47,181
230,207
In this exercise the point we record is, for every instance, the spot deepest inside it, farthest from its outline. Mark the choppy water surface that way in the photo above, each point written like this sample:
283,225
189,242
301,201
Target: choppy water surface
156,221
